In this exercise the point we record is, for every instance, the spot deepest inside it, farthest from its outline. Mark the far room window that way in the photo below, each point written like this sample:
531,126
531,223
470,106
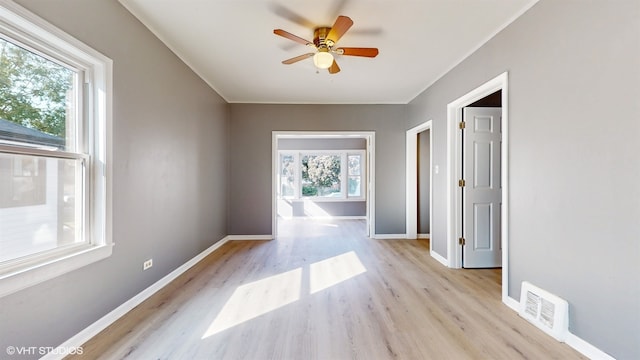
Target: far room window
321,175
54,123
326,175
287,175
355,175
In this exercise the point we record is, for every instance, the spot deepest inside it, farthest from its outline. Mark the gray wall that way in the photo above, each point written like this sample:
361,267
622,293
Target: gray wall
424,171
251,129
169,176
331,208
574,122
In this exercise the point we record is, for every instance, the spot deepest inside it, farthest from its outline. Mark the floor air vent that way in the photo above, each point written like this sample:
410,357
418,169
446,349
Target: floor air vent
545,310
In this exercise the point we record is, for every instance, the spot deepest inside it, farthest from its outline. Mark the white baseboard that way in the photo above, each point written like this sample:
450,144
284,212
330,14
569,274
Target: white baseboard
390,236
585,348
572,340
92,330
249,237
439,258
424,236
512,303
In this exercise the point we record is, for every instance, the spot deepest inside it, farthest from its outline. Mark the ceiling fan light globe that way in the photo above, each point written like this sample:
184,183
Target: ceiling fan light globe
322,60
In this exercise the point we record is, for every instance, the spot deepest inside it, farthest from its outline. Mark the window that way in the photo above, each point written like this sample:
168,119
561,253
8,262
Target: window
54,122
321,175
355,175
326,175
287,175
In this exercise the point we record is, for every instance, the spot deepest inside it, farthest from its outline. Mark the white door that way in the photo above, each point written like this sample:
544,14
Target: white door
481,192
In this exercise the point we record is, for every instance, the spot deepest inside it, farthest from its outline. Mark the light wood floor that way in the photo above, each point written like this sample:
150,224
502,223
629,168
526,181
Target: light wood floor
323,290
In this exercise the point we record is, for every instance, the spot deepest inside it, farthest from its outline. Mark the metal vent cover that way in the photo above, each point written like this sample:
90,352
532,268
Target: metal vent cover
547,311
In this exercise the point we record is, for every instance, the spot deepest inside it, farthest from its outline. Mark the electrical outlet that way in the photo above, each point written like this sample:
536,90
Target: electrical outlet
147,264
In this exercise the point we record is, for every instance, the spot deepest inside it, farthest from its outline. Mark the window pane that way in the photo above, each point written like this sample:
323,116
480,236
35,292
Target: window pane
36,99
321,176
40,207
354,164
354,186
287,175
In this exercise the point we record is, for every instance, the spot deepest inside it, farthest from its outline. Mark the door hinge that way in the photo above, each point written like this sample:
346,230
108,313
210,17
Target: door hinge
461,241
461,183
462,125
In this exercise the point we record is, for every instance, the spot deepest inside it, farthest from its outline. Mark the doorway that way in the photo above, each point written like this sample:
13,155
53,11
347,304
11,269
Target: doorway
342,188
455,174
420,168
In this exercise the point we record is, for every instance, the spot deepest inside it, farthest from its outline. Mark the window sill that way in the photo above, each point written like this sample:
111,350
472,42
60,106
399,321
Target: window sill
27,276
327,199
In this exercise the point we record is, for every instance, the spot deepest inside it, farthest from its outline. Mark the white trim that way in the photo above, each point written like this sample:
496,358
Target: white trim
94,329
275,159
585,348
369,137
248,237
423,236
512,303
454,252
371,178
571,339
411,178
46,270
389,236
323,199
439,258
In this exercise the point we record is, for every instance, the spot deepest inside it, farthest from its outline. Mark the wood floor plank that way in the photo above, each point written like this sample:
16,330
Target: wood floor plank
323,290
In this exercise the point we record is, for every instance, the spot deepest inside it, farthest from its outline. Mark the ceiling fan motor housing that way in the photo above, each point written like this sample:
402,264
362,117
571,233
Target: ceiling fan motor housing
320,39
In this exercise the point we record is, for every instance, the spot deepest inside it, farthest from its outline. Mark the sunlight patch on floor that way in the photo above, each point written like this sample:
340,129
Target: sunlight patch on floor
257,298
252,300
332,271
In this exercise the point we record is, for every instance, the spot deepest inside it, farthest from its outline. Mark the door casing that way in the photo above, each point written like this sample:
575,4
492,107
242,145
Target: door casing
454,162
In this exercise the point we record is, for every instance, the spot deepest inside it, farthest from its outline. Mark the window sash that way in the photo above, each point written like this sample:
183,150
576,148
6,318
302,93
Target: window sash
59,244
58,154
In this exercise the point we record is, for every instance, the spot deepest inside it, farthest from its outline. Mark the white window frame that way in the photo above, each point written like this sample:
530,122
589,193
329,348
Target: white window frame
95,123
362,175
344,174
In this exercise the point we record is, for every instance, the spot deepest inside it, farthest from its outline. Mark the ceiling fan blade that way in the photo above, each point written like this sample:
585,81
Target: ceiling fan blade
342,24
353,51
297,58
334,68
290,36
292,16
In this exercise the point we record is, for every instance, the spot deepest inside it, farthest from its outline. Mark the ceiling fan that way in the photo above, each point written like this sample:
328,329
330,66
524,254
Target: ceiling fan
324,41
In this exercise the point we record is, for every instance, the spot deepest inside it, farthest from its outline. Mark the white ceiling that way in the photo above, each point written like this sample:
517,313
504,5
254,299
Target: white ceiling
231,45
